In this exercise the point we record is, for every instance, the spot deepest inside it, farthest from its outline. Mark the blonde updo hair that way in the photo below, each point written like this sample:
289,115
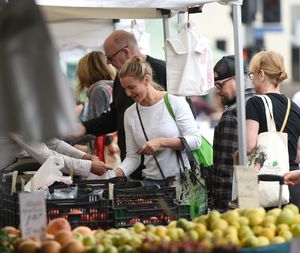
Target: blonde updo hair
271,63
138,69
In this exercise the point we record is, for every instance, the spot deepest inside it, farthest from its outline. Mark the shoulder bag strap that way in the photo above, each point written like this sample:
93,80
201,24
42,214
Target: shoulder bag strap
188,150
269,112
146,137
288,109
168,105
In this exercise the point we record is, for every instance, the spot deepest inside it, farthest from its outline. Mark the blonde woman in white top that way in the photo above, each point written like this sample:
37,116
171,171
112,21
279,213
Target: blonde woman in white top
161,129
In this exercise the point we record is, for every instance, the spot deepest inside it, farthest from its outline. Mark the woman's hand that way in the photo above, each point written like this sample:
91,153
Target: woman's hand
90,157
150,147
292,177
119,172
99,167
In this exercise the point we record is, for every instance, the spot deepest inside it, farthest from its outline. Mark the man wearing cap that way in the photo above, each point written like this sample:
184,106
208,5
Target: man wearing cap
226,134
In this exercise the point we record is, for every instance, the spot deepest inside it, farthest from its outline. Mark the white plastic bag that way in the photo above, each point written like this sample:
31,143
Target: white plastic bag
48,173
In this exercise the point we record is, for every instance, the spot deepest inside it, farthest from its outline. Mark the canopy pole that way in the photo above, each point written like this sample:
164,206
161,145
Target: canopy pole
238,51
166,36
166,27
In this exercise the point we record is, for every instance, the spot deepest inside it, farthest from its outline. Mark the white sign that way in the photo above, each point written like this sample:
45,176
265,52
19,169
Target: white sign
33,214
247,187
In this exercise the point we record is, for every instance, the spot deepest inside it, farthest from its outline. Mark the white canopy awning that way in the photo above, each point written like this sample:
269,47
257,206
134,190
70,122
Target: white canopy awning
58,10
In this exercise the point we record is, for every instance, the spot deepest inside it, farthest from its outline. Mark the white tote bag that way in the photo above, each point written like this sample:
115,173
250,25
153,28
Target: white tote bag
189,64
271,157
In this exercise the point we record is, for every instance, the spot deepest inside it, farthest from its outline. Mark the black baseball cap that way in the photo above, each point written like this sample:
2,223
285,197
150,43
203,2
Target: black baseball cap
225,68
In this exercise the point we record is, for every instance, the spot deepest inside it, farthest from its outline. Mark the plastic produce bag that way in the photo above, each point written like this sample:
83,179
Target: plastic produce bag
47,174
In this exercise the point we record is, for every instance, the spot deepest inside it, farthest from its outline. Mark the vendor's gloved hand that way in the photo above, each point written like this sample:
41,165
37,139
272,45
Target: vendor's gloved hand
99,168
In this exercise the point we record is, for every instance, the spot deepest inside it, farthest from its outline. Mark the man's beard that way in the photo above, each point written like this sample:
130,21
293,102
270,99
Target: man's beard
227,101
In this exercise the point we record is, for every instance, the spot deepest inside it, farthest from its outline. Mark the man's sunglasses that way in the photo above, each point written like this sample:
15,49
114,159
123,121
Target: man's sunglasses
111,57
220,85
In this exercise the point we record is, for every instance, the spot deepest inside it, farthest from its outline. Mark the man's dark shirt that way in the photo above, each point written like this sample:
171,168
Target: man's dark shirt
225,144
113,120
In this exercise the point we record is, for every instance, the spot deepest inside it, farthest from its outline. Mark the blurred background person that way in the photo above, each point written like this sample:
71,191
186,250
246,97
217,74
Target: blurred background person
95,77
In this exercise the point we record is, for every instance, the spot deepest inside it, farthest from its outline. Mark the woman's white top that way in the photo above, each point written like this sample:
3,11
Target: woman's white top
158,123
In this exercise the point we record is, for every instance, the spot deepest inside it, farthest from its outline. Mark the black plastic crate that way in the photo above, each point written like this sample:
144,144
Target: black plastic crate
144,197
88,211
124,217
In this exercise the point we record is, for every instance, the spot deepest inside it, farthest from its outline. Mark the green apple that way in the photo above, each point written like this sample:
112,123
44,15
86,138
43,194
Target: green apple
295,229
161,231
206,235
245,231
231,238
263,241
231,216
214,215
244,220
219,224
268,233
257,229
172,224
293,208
125,249
282,227
255,219
269,219
110,249
180,232
287,235
173,234
199,228
88,241
193,235
250,241
138,227
125,237
286,216
275,212
231,230
278,239
136,241
203,219
218,233
97,249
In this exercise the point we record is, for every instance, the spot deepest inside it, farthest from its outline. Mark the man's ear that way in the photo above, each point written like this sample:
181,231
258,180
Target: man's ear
127,53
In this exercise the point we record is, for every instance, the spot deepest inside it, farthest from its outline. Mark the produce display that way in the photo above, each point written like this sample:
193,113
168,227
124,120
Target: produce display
214,232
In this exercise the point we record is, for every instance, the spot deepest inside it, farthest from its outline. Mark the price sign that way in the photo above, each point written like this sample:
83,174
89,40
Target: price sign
33,214
247,187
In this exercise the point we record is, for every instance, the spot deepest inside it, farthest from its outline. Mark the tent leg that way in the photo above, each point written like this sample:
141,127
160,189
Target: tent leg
242,147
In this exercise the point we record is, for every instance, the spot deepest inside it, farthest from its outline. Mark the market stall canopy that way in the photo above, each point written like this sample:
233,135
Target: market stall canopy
59,10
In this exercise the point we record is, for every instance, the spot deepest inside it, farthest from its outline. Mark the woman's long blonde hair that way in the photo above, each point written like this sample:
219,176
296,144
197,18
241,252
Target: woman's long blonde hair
92,68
